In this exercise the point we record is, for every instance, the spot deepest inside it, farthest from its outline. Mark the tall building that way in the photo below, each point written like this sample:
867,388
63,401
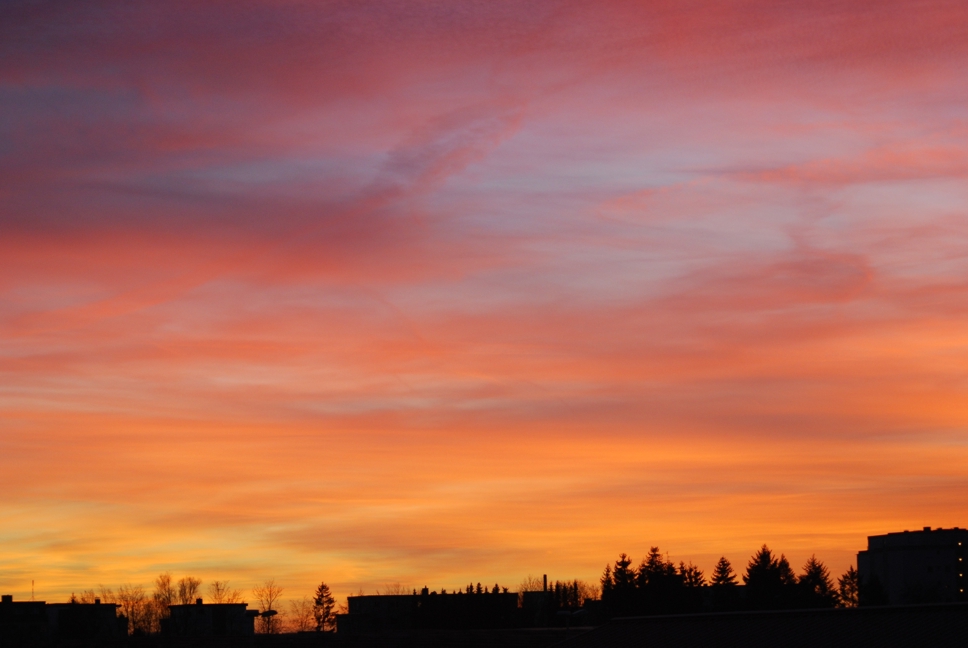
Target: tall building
926,566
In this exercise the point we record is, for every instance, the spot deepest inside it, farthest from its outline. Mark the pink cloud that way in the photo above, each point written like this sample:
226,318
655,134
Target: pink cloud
464,291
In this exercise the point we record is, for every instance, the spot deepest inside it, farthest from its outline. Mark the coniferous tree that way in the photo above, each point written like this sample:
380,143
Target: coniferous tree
621,600
816,588
693,582
725,596
848,588
770,583
660,586
608,585
566,596
723,574
323,608
656,571
692,576
786,576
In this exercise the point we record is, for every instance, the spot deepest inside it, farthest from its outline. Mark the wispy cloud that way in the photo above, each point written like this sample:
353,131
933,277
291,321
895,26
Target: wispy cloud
375,292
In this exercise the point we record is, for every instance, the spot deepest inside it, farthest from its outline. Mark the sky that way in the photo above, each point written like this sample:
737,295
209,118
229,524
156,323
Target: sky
434,292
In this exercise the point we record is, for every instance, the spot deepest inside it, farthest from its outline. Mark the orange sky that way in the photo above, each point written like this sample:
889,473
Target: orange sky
439,292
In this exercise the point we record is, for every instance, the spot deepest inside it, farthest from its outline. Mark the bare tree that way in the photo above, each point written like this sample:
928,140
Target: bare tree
587,591
393,589
87,596
163,596
531,584
266,595
300,617
164,590
103,594
220,592
188,589
137,608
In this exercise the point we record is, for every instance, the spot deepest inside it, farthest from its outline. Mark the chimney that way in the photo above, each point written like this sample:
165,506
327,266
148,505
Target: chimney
198,601
544,587
927,528
97,601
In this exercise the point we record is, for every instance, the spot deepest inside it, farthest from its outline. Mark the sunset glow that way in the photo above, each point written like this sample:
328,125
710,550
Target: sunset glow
438,292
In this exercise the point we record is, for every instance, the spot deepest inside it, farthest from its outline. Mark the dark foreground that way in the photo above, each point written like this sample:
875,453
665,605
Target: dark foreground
939,625
516,638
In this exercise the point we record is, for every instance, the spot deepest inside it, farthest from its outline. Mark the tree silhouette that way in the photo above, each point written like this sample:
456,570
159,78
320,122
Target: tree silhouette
621,599
105,594
587,592
323,606
188,589
220,592
691,576
164,590
300,617
565,595
163,596
394,589
659,584
135,606
608,583
656,571
723,574
623,577
266,595
816,588
725,596
848,588
693,582
770,583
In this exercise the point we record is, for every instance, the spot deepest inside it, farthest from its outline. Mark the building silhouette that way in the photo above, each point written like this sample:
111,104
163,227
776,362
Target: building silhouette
926,566
70,625
429,610
209,620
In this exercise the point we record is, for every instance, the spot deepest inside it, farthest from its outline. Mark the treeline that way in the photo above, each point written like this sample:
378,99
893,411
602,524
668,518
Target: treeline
563,594
660,586
146,611
657,585
470,589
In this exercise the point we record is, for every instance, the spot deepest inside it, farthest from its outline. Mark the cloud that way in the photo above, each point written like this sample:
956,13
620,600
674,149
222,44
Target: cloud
379,292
